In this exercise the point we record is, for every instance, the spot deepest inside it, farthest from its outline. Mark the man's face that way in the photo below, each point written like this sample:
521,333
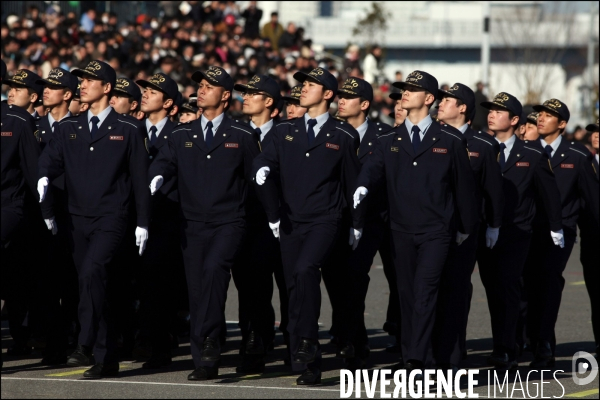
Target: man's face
152,100
312,93
92,89
414,98
121,104
349,107
399,113
531,132
187,116
74,107
449,110
210,96
19,96
255,103
295,111
548,123
499,120
595,140
54,96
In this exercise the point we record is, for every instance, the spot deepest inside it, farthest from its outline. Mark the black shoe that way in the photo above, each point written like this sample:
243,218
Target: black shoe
254,345
174,342
346,352
203,374
393,348
334,340
390,327
398,366
307,352
158,361
81,357
211,350
309,377
54,359
543,356
18,350
355,363
142,350
100,371
411,365
498,359
251,365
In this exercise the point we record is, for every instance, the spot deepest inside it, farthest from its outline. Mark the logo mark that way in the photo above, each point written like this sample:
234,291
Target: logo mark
583,363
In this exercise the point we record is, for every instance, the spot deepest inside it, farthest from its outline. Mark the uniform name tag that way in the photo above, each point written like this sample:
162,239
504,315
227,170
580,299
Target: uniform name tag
231,145
6,134
73,136
395,149
523,164
290,138
439,150
568,166
332,146
188,144
116,138
473,154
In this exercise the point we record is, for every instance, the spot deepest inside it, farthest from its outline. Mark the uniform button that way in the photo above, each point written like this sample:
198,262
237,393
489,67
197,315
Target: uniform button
91,149
370,144
151,157
208,156
307,155
415,163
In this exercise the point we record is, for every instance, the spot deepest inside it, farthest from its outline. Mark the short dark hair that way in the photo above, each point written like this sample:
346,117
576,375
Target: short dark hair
368,108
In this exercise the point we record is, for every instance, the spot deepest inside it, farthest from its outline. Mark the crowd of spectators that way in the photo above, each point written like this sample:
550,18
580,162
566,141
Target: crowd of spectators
182,38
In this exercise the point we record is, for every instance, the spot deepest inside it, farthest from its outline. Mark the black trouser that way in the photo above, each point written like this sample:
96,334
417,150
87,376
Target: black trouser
258,261
157,278
453,302
419,260
95,242
544,283
590,237
355,293
501,269
305,249
209,252
393,308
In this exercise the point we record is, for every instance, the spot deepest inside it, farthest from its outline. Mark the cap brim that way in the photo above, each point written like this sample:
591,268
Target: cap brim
145,84
346,93
81,73
407,85
303,76
244,88
592,128
395,96
120,91
541,107
45,82
489,104
442,93
290,99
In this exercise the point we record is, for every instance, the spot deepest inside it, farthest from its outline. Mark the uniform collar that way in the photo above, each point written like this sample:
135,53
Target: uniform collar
463,128
216,122
51,120
423,124
264,129
101,116
509,142
321,119
554,144
159,125
362,129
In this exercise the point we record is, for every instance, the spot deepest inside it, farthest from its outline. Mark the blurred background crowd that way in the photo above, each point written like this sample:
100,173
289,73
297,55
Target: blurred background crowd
179,38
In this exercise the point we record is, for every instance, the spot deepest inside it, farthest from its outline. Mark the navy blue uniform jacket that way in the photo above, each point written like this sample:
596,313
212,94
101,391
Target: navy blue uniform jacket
101,175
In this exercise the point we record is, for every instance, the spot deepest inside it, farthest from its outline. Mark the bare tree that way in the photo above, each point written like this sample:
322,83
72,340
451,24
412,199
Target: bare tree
536,37
373,25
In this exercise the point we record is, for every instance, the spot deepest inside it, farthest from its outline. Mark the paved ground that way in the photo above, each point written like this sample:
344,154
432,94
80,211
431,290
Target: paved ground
26,378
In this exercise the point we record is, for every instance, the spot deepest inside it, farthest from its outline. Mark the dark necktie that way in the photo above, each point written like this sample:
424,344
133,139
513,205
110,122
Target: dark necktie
548,149
311,131
94,130
153,135
209,133
54,125
257,133
502,156
416,138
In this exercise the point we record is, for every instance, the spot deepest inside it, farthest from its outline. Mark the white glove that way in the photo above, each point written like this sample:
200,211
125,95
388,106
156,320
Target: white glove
355,235
359,195
275,228
461,237
261,176
141,237
156,183
491,236
51,224
43,188
558,238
